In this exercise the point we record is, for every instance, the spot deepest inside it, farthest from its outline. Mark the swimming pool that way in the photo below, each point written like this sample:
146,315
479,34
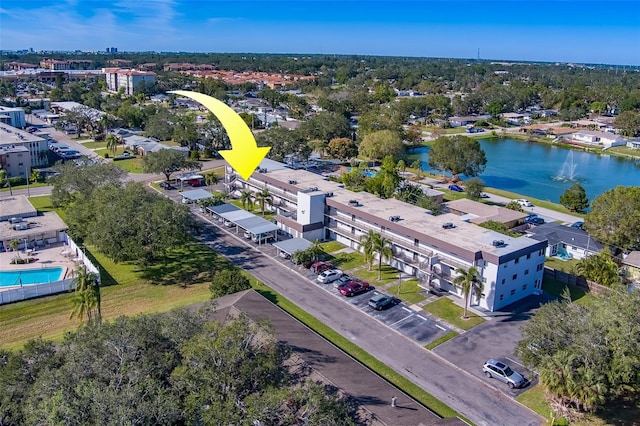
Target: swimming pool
30,276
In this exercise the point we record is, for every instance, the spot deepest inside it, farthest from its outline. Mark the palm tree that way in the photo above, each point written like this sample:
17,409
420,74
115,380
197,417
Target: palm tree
367,245
417,165
382,246
112,143
87,295
246,198
14,244
264,197
468,282
315,250
35,175
211,179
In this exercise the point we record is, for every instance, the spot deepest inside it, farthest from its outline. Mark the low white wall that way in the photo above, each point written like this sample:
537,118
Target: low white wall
31,291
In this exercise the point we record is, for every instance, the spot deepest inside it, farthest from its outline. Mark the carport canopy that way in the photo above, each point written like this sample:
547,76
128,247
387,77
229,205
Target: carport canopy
247,221
293,245
196,194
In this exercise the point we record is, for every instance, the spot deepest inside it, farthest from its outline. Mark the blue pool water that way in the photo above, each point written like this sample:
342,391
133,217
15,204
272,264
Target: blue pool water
30,276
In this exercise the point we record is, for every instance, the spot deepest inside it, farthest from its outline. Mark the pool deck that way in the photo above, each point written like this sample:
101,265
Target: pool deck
50,257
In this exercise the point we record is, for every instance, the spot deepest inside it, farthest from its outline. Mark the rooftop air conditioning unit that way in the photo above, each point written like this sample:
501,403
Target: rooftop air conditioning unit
329,194
497,243
15,220
292,182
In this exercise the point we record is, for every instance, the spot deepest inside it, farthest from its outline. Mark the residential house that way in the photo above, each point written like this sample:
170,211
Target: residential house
564,241
634,143
593,137
631,267
467,120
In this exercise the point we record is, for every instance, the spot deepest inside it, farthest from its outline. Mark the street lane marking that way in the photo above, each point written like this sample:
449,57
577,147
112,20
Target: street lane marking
405,318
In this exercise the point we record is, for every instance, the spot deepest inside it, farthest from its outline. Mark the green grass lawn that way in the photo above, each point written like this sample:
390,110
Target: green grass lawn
556,288
388,274
547,204
409,291
42,204
95,145
447,310
180,279
561,265
440,340
535,399
131,165
332,246
347,261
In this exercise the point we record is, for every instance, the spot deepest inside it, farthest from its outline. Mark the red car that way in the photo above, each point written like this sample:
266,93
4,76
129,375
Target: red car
353,288
320,267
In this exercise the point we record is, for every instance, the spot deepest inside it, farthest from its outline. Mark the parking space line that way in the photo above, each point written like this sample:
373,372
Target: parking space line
406,309
515,362
405,318
422,318
441,328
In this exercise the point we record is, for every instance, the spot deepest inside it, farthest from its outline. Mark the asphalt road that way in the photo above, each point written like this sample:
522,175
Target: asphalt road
469,395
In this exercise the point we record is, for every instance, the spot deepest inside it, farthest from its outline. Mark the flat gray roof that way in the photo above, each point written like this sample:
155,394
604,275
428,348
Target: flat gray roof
196,194
16,206
465,235
293,245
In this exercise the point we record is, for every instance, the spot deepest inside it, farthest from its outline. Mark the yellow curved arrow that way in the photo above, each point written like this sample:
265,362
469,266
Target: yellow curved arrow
244,155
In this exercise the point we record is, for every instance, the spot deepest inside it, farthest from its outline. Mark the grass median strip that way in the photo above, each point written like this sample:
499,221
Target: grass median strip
447,310
440,340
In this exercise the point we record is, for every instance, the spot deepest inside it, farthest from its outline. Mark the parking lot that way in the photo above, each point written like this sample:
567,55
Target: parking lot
413,324
494,339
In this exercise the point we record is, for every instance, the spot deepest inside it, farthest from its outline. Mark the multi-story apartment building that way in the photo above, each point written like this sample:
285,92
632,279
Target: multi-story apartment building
37,149
15,159
13,116
127,79
430,247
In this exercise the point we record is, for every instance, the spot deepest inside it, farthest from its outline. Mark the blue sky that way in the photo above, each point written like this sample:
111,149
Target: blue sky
563,31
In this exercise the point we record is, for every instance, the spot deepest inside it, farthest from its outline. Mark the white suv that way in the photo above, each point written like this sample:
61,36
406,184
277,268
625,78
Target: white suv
329,276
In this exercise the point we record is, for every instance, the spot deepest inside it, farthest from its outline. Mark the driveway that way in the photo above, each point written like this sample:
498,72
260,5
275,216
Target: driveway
495,339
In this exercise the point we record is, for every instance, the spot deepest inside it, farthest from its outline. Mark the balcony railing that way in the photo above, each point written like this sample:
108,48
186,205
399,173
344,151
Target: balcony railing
398,241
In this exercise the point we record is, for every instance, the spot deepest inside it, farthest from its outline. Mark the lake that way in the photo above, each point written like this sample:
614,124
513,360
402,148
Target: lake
545,171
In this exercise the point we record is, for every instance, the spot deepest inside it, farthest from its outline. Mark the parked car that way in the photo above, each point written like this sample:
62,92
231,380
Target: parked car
342,280
166,185
578,225
383,301
320,267
504,373
484,195
524,203
534,219
247,235
456,188
329,276
353,288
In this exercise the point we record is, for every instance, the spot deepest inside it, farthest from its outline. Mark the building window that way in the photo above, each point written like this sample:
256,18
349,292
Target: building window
501,297
516,261
353,217
541,252
484,279
540,267
416,242
526,272
524,286
528,255
513,291
515,276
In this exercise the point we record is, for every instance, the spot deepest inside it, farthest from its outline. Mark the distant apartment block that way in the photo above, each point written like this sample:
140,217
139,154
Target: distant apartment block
16,161
431,248
13,116
262,79
65,65
17,66
127,79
